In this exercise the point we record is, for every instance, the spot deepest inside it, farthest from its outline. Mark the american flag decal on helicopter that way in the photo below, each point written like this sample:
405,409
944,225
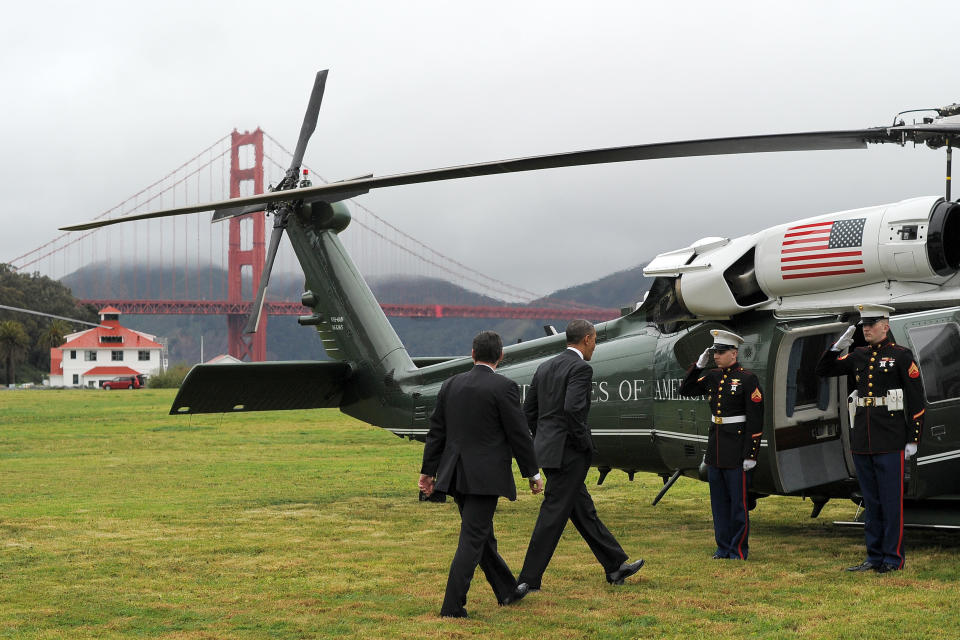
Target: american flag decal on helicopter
818,249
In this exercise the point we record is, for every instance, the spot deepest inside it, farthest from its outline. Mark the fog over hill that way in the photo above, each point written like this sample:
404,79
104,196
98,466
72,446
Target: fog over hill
286,340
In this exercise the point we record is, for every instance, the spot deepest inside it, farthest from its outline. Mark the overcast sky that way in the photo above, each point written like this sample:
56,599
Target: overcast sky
103,98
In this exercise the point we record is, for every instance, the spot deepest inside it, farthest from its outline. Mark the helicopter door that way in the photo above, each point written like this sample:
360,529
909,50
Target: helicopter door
934,338
809,443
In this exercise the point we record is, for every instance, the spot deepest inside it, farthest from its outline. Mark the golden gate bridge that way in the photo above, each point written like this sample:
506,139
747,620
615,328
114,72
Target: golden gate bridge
176,266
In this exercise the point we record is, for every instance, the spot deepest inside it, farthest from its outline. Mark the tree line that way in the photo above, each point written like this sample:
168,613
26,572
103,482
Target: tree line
26,339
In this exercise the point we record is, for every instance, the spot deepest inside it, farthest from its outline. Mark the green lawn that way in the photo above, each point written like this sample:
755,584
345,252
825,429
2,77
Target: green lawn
117,520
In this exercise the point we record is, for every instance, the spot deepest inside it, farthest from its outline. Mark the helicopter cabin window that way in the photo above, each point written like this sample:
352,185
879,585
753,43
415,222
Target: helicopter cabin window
804,388
938,352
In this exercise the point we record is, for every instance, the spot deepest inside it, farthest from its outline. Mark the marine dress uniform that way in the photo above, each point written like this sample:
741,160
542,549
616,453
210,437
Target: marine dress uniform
736,425
889,418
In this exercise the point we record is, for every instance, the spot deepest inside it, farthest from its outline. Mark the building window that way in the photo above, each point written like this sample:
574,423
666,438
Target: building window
76,378
116,356
143,356
114,339
90,356
73,354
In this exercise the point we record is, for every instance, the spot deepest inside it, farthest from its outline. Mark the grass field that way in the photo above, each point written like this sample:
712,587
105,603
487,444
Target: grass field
117,520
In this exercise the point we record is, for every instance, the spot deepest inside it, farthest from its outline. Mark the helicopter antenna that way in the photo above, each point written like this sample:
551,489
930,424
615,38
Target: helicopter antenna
949,163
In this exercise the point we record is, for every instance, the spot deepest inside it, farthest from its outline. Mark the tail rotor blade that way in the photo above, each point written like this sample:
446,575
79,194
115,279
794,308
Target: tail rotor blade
253,321
309,120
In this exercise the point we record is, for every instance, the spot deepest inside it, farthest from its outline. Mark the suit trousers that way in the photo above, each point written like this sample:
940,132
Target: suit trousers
566,498
477,545
731,515
881,483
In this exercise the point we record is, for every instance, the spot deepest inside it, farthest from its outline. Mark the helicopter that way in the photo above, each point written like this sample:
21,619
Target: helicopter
788,290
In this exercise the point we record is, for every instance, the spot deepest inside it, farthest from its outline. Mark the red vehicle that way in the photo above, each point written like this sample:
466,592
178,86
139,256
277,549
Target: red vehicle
123,382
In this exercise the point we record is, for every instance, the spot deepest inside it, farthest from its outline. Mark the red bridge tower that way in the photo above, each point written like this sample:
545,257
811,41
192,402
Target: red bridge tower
253,347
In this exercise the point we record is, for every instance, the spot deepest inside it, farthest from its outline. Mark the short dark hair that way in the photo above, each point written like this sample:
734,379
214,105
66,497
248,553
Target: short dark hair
577,330
487,347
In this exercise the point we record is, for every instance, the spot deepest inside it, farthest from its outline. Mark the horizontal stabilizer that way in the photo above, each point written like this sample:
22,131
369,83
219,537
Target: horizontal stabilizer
263,386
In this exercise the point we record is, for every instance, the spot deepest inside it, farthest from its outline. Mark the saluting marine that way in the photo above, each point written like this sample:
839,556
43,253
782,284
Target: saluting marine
736,425
885,431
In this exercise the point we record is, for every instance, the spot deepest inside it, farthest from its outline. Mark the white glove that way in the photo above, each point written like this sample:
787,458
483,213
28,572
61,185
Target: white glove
704,359
845,340
909,451
749,464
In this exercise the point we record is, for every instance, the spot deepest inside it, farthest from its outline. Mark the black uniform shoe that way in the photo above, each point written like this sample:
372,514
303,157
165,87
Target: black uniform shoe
459,613
517,594
717,556
866,565
886,567
624,572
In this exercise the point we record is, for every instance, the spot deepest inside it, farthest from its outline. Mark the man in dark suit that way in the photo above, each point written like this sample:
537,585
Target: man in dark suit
556,407
475,429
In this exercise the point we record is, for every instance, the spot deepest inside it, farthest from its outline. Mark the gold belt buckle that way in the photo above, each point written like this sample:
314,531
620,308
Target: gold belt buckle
719,420
868,402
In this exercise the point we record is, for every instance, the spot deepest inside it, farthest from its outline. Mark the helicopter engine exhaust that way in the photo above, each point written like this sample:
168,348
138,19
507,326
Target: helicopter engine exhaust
886,253
943,241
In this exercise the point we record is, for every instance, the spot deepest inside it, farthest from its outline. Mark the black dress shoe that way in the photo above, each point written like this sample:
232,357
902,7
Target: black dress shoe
460,613
886,567
624,572
866,565
517,594
717,556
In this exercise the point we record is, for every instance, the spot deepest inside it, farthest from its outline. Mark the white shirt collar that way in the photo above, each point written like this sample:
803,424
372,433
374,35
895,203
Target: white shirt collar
576,351
484,364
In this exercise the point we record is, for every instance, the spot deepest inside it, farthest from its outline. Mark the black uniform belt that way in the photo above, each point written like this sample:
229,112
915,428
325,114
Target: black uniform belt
728,419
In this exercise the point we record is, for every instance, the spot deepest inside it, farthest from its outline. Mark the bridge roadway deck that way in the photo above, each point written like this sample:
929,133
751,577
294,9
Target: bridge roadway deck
222,307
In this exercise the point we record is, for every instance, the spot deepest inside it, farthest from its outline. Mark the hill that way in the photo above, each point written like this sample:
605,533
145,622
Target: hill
286,340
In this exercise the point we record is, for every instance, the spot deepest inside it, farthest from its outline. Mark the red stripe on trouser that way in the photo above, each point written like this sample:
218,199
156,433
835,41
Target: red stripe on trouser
900,540
746,514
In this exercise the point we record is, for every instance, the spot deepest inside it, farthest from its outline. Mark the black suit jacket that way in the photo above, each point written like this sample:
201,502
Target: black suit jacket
557,405
475,429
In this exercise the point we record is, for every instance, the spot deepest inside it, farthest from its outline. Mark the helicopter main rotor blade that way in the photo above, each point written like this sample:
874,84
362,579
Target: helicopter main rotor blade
253,320
50,315
232,212
811,141
309,120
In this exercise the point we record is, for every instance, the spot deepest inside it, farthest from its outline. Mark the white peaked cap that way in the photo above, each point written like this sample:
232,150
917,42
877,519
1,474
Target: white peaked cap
725,338
873,311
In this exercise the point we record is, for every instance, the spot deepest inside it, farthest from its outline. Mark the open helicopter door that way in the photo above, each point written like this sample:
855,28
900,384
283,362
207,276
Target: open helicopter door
809,413
934,338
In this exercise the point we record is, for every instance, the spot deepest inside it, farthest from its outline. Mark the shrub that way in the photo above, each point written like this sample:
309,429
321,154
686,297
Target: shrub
172,378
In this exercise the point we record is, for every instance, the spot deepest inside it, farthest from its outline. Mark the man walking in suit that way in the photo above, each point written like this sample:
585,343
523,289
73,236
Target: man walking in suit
475,429
556,407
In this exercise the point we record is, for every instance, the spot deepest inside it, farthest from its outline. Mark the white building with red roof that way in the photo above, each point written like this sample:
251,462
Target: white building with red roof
89,357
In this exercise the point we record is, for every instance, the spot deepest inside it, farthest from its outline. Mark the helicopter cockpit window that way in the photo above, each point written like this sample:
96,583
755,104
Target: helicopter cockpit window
804,387
938,351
